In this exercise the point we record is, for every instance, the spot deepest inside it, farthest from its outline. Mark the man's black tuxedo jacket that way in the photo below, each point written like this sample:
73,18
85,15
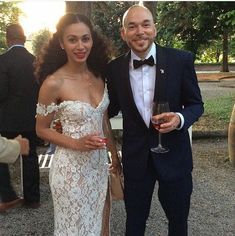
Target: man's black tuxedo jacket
18,91
183,95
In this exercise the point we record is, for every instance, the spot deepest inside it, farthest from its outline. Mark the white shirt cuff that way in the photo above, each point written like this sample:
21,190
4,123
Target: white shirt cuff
181,120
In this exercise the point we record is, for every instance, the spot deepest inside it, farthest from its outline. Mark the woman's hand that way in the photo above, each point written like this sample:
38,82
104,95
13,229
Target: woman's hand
89,143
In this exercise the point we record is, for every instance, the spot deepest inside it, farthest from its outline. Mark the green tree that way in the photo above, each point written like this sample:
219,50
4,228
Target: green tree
81,7
228,19
193,24
211,54
9,13
39,40
108,19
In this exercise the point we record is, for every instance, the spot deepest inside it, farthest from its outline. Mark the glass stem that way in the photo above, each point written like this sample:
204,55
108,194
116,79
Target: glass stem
159,139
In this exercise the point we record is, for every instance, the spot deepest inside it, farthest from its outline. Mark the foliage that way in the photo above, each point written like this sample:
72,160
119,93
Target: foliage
108,16
9,13
193,24
39,40
229,18
232,46
210,54
212,51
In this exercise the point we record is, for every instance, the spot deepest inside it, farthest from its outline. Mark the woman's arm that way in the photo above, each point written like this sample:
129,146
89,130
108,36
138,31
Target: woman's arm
111,145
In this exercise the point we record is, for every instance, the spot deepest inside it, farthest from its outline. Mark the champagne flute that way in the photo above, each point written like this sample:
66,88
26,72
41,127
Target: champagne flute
157,109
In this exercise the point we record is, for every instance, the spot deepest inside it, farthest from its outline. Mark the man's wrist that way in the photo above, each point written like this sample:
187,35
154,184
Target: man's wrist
181,124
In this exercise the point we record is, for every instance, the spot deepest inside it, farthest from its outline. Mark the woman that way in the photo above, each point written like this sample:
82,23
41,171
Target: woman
71,72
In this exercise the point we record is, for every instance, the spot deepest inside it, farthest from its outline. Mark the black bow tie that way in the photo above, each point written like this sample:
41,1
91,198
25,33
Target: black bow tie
139,63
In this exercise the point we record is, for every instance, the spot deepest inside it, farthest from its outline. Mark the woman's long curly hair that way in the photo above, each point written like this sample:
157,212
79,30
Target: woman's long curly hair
52,56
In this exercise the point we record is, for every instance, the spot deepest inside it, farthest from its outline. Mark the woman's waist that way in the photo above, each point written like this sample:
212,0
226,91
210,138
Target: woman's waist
80,131
67,158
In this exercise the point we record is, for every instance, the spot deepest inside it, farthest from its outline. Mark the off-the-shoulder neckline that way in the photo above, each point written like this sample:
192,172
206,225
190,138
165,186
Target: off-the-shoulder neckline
65,102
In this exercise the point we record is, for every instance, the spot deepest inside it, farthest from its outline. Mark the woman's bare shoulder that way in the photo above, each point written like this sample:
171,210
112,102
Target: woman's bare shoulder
53,81
50,89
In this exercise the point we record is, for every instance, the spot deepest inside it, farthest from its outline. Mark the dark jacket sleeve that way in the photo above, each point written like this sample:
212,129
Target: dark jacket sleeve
114,107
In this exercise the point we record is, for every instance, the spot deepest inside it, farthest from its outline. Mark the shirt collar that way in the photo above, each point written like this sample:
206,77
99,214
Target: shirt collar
152,52
16,45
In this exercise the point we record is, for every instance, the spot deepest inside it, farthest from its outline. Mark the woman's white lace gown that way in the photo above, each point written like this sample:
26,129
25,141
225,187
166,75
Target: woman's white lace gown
78,180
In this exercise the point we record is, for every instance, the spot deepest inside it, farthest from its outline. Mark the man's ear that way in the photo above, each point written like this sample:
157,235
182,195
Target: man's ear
155,27
24,39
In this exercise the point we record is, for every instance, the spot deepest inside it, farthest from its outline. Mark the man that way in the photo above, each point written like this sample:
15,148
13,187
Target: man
169,75
10,149
18,98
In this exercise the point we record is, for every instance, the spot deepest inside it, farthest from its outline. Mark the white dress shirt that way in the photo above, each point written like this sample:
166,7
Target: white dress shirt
142,82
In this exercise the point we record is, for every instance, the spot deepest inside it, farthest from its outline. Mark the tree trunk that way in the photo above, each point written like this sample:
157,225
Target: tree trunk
225,52
80,7
217,55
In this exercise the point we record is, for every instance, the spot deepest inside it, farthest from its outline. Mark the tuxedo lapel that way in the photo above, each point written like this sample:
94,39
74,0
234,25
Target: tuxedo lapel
160,93
126,79
127,90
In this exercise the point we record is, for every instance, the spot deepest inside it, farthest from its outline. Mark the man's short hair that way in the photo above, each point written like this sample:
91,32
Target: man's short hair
15,31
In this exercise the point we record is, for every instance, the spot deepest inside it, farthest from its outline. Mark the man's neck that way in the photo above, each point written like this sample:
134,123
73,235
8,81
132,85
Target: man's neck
13,42
143,55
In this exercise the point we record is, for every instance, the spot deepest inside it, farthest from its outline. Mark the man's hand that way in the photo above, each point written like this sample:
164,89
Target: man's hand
171,121
24,145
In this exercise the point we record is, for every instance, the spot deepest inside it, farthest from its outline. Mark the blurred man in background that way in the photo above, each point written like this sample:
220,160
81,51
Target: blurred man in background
18,98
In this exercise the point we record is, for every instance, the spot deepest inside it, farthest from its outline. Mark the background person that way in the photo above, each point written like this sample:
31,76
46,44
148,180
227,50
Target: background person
18,98
10,149
132,91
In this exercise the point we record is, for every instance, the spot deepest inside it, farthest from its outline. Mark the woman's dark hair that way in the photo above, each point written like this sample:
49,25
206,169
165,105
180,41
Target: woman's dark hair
53,56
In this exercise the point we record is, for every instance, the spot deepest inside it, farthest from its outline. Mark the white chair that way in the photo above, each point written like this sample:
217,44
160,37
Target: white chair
44,161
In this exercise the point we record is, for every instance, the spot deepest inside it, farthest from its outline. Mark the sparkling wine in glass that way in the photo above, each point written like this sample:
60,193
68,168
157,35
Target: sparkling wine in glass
157,109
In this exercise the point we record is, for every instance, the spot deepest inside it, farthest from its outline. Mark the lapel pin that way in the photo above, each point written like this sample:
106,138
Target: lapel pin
162,71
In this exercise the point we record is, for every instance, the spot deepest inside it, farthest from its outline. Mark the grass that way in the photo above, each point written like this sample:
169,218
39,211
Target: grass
216,115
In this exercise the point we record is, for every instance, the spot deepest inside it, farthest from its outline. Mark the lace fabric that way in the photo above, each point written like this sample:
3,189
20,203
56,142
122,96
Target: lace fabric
44,110
78,180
